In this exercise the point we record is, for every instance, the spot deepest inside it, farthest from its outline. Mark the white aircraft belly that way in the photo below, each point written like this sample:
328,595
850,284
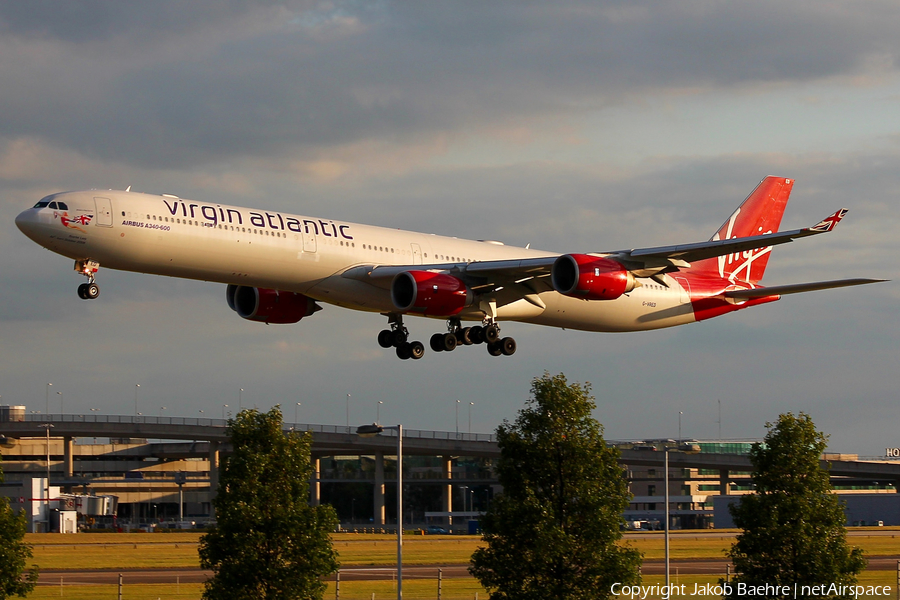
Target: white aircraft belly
642,309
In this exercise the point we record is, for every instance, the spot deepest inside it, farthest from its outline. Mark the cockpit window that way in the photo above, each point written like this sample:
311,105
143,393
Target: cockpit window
45,201
53,205
62,206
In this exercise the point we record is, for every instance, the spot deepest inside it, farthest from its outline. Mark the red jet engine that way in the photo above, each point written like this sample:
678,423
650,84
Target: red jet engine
590,277
429,294
269,306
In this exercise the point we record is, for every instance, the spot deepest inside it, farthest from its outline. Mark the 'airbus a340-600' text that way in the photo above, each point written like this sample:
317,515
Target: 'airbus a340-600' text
279,267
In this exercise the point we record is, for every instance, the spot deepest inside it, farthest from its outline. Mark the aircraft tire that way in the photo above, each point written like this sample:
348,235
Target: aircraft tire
507,346
82,291
398,337
92,291
495,349
416,350
464,336
449,342
403,351
476,334
491,334
385,339
437,342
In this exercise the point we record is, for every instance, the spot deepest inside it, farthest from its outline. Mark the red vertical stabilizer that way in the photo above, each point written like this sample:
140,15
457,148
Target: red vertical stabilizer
759,214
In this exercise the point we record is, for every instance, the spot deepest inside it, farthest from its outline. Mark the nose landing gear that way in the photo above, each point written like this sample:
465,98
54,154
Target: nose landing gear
87,267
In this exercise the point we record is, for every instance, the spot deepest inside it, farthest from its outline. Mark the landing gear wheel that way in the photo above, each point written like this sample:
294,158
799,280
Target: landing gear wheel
416,350
437,342
399,337
385,338
491,334
507,346
82,291
495,349
404,351
449,341
464,336
91,291
476,334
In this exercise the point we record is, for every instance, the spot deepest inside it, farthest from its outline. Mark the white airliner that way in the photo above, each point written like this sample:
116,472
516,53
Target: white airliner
278,266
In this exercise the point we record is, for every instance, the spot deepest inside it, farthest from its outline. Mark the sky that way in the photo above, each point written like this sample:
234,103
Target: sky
571,126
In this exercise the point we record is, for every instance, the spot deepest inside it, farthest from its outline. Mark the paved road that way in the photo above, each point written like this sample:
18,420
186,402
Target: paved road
650,567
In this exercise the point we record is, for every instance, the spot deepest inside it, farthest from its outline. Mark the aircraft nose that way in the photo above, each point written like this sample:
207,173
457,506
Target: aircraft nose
25,221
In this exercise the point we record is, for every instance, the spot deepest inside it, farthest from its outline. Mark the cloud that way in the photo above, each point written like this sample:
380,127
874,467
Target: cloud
573,126
198,83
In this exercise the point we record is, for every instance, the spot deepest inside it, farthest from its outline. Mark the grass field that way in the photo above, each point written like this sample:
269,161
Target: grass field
155,550
172,550
452,589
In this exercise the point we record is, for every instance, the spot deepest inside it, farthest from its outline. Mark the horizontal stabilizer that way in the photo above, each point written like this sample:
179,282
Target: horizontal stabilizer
796,288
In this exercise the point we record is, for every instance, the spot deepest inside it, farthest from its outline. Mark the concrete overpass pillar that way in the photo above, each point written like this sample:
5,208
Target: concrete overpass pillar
378,496
447,495
213,475
68,451
314,488
724,488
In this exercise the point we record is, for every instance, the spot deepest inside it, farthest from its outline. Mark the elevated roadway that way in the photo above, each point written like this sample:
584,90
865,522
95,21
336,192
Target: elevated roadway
329,440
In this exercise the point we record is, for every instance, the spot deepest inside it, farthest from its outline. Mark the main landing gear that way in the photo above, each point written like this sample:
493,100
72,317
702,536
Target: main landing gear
488,333
397,337
87,267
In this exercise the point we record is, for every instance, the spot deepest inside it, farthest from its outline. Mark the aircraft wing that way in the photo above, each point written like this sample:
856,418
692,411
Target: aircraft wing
479,276
649,261
533,274
796,288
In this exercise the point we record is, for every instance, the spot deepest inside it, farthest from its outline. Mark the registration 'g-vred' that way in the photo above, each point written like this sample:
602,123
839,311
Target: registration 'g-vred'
278,267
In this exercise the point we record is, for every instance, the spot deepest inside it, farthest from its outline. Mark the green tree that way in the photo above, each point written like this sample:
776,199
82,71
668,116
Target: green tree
553,531
793,525
268,543
15,580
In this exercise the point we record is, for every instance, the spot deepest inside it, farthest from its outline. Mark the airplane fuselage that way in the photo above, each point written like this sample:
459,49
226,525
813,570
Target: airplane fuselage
167,235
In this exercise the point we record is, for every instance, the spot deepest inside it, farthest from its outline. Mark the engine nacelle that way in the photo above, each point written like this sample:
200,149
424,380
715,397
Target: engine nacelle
269,306
590,277
429,294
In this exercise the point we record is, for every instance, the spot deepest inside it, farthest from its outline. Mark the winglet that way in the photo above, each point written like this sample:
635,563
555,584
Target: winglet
830,222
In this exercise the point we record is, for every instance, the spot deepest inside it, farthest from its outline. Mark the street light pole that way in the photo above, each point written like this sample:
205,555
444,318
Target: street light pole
224,406
348,410
666,486
371,431
457,419
60,394
296,408
378,411
47,411
136,386
399,512
471,404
